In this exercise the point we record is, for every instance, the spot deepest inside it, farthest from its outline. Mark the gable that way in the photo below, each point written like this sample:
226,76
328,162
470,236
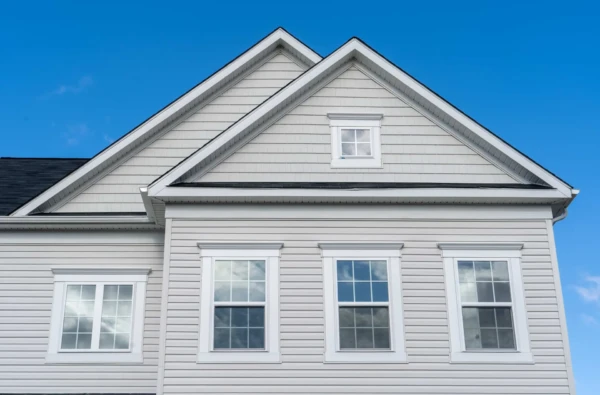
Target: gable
297,148
119,189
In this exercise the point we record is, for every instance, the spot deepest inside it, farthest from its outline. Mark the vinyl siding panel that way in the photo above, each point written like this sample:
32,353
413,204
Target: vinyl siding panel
298,146
302,370
123,183
26,292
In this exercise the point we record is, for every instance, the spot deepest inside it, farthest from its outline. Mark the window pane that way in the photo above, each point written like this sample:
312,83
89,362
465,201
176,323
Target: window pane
466,273
489,338
502,292
361,271
470,317
222,317
111,292
487,318
472,339
256,338
381,317
222,291
363,317
504,317
257,270
485,292
500,271
239,291
382,338
483,271
109,324
122,341
468,292
78,317
123,325
506,338
239,317
256,317
379,270
364,338
257,291
380,292
124,308
345,292
347,338
125,292
363,149
239,338
239,270
223,270
362,291
346,317
107,341
344,271
347,135
348,149
109,308
363,135
221,338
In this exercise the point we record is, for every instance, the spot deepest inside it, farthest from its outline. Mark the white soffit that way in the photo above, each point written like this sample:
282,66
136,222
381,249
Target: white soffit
158,121
390,73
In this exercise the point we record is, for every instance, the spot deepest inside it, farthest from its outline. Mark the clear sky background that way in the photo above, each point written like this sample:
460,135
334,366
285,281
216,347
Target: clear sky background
75,76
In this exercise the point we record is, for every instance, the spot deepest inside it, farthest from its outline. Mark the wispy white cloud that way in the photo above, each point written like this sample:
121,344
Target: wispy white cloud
81,85
108,139
589,320
75,133
590,291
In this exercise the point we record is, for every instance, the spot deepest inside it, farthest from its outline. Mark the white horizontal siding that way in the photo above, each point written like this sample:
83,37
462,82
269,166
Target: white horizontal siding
122,184
26,289
298,146
301,310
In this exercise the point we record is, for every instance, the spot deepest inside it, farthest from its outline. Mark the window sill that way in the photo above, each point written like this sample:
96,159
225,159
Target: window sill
492,357
95,357
239,357
365,357
366,163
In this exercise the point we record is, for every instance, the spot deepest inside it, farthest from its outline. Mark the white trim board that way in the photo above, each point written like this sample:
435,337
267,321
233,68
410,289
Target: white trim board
143,132
353,49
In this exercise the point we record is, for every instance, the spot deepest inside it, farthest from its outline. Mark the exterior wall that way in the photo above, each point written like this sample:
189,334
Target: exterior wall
26,289
302,371
298,146
119,191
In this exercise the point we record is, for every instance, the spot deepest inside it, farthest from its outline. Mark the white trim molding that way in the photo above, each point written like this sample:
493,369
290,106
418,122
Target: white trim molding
391,253
269,253
63,276
511,253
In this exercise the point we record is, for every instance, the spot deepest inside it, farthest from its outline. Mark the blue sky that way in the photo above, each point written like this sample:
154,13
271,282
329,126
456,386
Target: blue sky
78,75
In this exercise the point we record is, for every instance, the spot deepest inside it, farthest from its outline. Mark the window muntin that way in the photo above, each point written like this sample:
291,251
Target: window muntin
239,303
85,305
363,304
356,142
486,304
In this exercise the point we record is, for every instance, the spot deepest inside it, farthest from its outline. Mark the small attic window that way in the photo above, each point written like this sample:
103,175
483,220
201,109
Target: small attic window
355,140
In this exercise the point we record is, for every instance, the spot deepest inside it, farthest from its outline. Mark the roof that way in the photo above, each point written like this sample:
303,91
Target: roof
22,179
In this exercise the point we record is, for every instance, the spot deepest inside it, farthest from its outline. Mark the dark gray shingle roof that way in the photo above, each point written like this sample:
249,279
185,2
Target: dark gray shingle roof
22,179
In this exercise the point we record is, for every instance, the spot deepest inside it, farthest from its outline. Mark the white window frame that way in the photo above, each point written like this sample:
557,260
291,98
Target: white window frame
270,253
63,276
511,253
391,252
372,122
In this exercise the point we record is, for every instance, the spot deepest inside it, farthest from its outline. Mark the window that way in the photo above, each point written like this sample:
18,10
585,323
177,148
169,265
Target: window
97,315
239,303
363,313
486,303
355,140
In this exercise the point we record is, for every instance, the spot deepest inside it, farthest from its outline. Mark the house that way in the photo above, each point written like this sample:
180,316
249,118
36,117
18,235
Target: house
292,224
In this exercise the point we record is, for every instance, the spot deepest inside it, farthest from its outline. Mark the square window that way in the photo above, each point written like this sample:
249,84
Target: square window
356,142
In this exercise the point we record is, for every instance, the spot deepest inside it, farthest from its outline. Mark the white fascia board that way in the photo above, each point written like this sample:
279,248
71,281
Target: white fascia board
424,193
354,47
133,138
